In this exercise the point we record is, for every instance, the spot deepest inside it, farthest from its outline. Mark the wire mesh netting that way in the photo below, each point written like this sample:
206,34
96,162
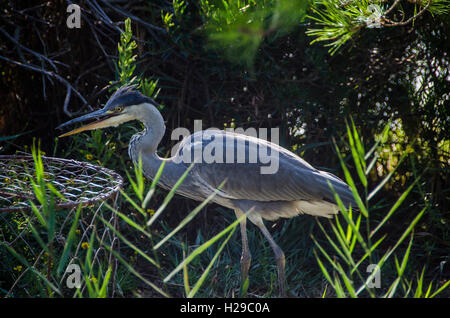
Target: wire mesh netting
77,182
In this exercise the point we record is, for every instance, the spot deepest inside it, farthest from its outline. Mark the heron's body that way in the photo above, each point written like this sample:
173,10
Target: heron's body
294,188
282,194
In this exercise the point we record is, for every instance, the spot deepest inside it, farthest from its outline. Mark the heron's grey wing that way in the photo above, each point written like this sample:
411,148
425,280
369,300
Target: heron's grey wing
292,178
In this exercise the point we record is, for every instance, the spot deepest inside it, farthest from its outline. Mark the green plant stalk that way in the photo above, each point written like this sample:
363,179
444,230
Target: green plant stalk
127,242
189,217
202,278
203,247
69,241
134,272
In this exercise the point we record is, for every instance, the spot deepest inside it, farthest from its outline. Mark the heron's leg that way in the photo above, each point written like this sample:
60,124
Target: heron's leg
279,254
246,256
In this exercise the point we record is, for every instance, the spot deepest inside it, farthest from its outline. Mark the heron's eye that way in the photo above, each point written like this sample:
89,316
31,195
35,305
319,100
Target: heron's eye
118,109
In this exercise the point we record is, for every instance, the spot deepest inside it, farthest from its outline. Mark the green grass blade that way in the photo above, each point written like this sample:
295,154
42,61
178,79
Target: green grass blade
36,235
88,260
354,238
351,183
244,288
395,206
349,221
356,158
327,256
440,289
340,228
208,268
386,256
405,257
104,288
347,282
203,247
371,164
419,290
134,272
158,174
189,217
392,289
128,243
386,179
69,242
340,293
187,288
169,196
345,255
134,204
404,235
427,293
55,191
129,221
324,270
368,253
30,267
38,214
359,145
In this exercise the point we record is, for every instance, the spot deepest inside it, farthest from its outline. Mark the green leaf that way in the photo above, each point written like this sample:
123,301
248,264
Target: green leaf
324,270
443,287
419,291
69,242
129,221
104,288
190,216
208,268
386,179
343,252
128,243
32,268
187,288
350,182
134,272
359,163
169,196
204,246
395,206
349,221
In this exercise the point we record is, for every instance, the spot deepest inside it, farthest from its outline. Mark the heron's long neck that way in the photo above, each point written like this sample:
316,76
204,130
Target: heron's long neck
146,142
154,128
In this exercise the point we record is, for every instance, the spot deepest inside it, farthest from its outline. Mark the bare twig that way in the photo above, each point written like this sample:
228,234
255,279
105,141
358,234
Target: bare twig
38,55
396,2
133,17
403,23
49,73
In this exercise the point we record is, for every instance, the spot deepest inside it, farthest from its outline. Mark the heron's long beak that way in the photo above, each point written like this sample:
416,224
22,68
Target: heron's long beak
103,119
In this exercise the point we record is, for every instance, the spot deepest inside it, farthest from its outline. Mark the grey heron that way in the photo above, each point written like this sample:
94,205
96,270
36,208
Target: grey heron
294,188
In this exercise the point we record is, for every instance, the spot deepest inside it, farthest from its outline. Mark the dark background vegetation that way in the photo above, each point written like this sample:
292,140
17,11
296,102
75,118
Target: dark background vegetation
290,84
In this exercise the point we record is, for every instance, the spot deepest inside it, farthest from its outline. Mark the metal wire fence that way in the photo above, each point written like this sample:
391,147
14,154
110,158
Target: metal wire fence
77,182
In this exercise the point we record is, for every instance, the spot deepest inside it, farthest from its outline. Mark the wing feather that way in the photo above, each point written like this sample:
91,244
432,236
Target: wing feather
294,180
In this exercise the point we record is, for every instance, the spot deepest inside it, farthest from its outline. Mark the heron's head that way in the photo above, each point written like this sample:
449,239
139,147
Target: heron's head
124,105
